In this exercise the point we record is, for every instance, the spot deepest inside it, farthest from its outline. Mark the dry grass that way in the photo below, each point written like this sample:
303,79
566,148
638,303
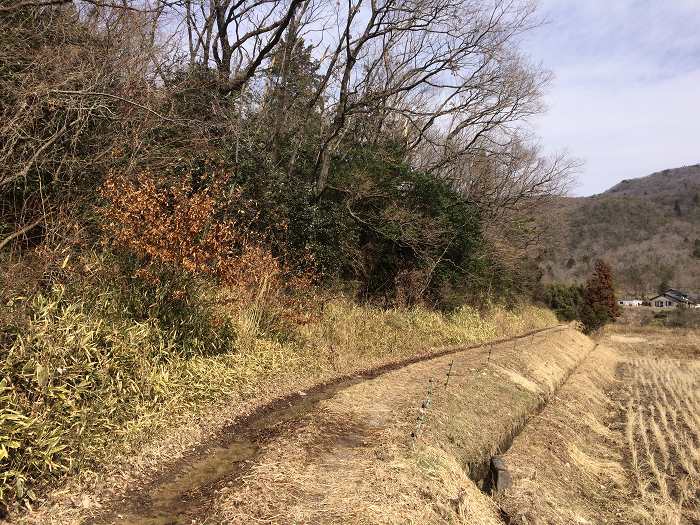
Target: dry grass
565,464
663,437
198,395
353,460
620,442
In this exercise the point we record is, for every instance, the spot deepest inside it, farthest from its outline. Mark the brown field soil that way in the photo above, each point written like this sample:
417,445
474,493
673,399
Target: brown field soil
620,442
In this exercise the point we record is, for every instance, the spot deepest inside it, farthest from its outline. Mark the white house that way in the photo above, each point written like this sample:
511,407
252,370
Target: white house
630,302
672,299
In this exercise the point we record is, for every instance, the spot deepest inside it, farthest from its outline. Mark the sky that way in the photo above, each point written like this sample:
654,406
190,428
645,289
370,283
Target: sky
625,98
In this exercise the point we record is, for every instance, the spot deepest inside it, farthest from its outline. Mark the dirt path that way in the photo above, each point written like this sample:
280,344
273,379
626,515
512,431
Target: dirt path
349,451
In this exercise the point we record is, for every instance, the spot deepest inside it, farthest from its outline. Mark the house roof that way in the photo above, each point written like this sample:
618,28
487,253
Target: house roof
676,295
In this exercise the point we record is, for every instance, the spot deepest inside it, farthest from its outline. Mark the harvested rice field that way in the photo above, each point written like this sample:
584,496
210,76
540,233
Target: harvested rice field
619,443
662,437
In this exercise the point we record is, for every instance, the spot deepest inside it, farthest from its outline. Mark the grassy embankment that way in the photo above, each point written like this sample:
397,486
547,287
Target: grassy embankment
619,443
86,385
397,467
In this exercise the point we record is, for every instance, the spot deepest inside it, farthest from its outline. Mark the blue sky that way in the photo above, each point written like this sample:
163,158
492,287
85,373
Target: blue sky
625,98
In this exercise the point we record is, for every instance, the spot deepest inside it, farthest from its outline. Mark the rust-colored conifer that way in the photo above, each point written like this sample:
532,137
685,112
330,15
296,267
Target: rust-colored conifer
599,304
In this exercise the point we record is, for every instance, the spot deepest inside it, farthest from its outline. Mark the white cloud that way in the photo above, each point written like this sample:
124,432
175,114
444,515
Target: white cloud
625,95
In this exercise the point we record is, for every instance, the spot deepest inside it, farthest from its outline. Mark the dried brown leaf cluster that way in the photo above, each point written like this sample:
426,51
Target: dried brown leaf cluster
186,228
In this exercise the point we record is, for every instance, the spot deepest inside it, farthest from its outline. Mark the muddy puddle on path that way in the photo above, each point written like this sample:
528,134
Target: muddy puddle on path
173,502
183,497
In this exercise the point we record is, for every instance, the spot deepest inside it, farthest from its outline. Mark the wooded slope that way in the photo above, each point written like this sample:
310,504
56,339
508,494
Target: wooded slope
648,229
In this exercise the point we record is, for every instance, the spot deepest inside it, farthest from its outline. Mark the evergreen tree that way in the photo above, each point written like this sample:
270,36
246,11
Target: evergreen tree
599,304
564,300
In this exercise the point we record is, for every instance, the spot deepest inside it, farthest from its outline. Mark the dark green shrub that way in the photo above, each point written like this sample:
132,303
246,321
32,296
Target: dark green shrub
565,300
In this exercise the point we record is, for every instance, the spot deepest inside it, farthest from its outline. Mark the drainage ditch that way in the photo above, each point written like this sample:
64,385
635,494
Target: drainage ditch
491,474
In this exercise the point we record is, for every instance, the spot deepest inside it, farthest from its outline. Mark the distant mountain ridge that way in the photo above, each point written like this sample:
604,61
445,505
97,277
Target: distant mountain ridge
648,229
667,183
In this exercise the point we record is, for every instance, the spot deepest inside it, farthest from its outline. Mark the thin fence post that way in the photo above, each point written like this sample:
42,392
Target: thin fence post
422,411
449,372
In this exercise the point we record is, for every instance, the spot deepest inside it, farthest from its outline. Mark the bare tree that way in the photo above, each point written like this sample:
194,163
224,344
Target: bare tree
440,71
443,76
438,85
238,35
87,83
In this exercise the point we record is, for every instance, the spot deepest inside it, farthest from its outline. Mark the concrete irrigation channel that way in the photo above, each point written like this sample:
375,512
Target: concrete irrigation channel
408,443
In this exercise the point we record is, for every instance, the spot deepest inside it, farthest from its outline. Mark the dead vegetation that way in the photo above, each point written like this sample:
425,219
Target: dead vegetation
620,442
617,443
200,395
662,433
359,457
566,465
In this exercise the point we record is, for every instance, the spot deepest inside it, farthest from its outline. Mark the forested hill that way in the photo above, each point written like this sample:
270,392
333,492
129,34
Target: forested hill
648,229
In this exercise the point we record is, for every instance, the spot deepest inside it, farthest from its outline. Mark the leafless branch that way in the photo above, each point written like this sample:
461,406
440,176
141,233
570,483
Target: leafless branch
19,232
116,97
